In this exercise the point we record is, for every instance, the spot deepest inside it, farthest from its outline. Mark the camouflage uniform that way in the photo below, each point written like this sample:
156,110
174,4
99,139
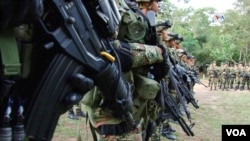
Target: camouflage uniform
164,128
232,76
225,74
243,78
239,76
248,74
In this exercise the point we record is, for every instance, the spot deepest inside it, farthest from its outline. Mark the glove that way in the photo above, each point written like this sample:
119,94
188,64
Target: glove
160,70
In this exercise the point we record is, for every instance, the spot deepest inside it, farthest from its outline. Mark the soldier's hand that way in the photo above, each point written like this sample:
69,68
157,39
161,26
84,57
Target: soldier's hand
160,70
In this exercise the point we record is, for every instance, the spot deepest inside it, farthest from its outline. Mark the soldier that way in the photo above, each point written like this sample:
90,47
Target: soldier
243,77
232,75
169,42
225,74
163,129
248,74
237,70
220,76
191,67
213,71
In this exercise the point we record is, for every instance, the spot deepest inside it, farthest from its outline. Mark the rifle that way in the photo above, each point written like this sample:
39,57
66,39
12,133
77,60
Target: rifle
196,80
71,53
174,110
170,110
190,74
179,84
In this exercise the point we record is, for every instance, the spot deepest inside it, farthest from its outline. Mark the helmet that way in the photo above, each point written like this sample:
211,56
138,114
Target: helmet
163,25
171,34
178,38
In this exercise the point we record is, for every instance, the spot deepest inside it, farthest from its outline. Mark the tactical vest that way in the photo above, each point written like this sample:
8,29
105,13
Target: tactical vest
133,27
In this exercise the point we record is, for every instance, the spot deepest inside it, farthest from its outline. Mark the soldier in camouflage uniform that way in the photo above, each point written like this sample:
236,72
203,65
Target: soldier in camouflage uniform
243,77
191,67
220,76
225,75
248,74
232,75
164,128
213,71
237,70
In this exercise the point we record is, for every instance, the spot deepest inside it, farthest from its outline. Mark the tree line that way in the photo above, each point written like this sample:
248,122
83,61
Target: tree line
209,38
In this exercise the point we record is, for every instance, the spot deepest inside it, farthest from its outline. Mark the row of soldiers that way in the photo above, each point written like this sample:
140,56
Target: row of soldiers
185,63
227,77
132,75
157,99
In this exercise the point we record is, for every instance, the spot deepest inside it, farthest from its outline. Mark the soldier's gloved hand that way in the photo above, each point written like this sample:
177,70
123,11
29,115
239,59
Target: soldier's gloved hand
160,70
165,60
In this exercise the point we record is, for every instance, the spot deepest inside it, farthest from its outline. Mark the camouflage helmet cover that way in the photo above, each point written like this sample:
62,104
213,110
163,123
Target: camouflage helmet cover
163,25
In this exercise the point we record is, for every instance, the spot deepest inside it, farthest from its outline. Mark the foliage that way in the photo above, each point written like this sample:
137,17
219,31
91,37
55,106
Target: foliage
204,37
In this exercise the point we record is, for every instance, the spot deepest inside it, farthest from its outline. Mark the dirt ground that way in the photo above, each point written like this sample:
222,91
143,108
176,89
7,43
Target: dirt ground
212,107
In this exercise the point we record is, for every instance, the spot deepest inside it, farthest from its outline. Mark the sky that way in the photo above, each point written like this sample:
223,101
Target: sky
220,5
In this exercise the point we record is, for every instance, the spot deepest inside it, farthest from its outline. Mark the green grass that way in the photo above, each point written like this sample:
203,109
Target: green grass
216,109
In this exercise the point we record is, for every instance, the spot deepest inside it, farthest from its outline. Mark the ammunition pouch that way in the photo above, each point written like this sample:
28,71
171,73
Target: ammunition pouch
146,88
146,91
132,28
116,93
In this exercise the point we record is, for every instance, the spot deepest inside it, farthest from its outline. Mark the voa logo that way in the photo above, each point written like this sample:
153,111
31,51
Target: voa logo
236,132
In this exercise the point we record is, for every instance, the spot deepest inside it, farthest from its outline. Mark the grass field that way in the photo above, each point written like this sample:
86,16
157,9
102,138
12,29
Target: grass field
217,108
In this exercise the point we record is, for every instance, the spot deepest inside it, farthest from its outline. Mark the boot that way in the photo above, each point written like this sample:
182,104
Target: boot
167,132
